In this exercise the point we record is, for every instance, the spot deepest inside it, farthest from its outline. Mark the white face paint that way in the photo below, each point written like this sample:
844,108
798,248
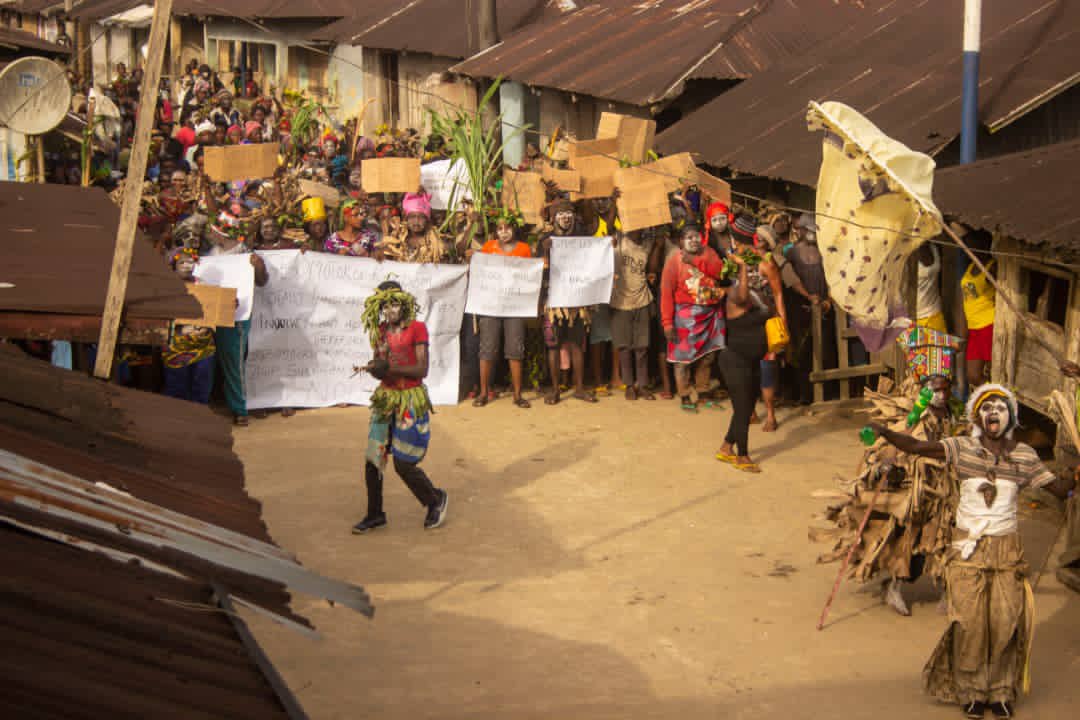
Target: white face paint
564,220
719,222
994,417
691,242
504,233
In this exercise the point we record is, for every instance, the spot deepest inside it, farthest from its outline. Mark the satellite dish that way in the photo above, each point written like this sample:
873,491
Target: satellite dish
34,95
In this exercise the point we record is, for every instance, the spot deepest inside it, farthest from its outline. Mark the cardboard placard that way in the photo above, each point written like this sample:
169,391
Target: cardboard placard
564,179
674,171
390,175
218,306
525,192
718,190
643,204
588,148
241,162
597,176
635,135
328,193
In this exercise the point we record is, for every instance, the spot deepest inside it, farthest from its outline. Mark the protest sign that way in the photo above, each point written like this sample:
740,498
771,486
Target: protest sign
563,179
675,171
635,135
643,203
525,192
228,163
445,180
597,176
230,271
504,286
330,195
604,147
582,271
307,334
218,306
717,189
390,174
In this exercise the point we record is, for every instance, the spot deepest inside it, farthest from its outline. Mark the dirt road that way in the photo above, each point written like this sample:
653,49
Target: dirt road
599,563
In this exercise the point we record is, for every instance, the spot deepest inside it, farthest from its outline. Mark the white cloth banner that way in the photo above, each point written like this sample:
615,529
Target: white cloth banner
440,178
230,271
582,271
504,286
307,333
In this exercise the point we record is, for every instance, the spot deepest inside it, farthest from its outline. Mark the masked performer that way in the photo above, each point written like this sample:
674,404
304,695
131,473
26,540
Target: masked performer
982,659
400,407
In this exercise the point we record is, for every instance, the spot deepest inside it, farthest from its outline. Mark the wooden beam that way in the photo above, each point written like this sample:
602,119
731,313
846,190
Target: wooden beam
816,364
129,206
79,328
821,376
843,361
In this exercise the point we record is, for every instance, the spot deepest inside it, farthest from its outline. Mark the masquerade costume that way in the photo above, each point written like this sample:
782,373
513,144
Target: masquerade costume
400,409
188,357
984,654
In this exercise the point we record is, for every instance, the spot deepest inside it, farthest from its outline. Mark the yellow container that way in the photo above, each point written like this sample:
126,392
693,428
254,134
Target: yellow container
314,208
776,334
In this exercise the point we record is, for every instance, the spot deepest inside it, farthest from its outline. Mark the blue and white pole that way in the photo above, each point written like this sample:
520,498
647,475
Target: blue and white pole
969,124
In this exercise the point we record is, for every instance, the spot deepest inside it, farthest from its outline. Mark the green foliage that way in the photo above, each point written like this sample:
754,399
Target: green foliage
478,147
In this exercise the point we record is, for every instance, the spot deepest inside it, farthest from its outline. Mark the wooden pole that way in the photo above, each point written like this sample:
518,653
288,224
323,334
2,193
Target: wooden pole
847,558
39,149
129,206
88,141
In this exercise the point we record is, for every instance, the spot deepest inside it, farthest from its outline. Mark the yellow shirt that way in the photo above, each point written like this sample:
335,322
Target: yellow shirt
602,228
979,298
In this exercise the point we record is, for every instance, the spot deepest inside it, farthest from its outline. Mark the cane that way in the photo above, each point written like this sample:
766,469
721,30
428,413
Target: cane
847,558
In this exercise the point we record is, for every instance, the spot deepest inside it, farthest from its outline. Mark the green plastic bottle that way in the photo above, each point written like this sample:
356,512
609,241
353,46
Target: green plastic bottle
921,403
867,435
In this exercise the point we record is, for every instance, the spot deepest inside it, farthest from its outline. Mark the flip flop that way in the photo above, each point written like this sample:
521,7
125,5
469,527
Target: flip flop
551,399
690,407
747,467
602,391
770,426
665,395
646,394
480,401
523,403
586,397
724,457
714,404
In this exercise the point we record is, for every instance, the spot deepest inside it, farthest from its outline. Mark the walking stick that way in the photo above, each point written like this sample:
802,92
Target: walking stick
847,558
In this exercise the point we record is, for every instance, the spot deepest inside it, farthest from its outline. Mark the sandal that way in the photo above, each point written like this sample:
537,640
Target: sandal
522,403
724,457
586,396
645,394
689,406
551,399
714,404
667,395
770,426
480,401
602,391
751,467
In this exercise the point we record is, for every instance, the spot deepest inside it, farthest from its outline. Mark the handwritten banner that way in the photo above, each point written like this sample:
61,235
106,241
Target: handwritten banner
445,180
306,330
230,271
582,271
504,286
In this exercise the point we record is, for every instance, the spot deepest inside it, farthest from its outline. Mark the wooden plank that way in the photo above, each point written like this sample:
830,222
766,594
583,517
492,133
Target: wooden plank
132,193
821,376
241,162
79,328
218,305
843,361
390,174
818,367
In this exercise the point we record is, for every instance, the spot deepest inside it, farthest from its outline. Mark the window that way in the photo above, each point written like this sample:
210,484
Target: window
1047,295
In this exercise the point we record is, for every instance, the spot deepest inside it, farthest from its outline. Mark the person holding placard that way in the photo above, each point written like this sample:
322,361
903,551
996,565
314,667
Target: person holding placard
637,257
509,330
565,329
416,241
188,357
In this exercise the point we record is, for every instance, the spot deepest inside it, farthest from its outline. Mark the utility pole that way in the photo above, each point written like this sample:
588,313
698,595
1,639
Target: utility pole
969,124
133,185
487,26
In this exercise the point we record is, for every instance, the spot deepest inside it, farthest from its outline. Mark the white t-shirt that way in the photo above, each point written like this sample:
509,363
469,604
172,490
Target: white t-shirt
928,302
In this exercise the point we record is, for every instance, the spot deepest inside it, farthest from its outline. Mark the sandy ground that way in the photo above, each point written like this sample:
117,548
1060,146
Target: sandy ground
599,563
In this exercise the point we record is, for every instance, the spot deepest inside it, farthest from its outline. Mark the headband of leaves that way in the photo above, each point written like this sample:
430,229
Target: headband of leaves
373,306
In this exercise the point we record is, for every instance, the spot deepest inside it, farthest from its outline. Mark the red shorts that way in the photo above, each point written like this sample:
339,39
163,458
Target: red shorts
980,344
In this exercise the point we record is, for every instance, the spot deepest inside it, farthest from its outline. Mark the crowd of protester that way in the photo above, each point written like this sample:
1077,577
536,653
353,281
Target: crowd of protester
690,303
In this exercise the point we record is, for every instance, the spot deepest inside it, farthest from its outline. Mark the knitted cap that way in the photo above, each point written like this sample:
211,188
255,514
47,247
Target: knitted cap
744,225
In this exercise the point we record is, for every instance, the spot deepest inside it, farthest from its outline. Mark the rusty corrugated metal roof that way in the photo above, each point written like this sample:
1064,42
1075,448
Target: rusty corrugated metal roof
438,27
1030,196
88,637
101,9
902,69
643,51
58,247
29,41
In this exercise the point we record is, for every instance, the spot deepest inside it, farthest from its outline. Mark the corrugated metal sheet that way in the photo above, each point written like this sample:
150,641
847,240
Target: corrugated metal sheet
643,52
438,27
1030,196
28,41
101,9
88,637
58,245
902,69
